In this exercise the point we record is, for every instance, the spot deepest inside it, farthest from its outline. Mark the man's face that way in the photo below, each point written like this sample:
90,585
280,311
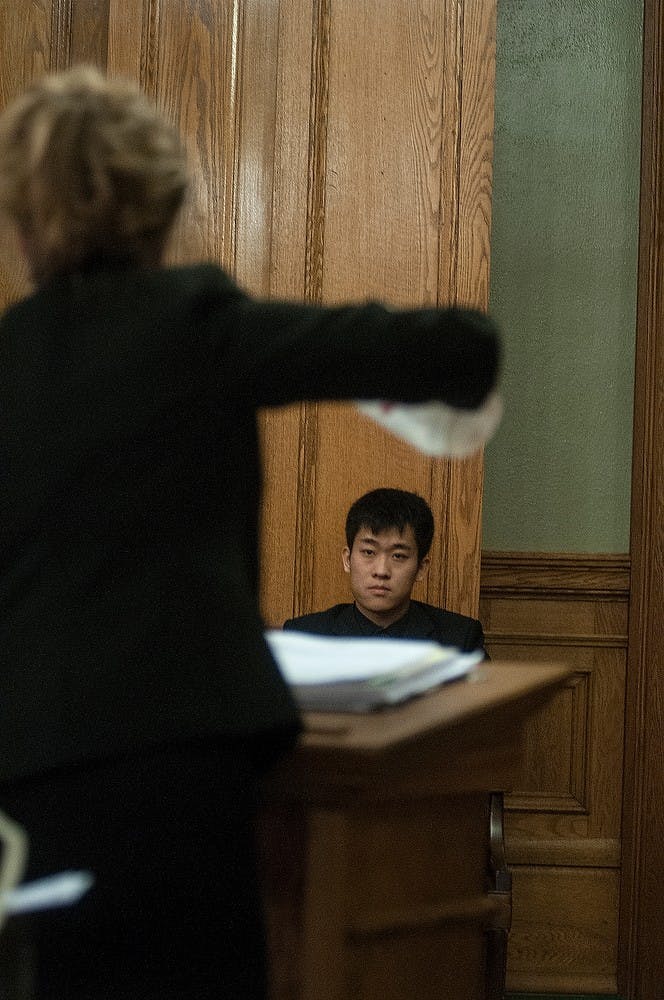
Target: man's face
383,569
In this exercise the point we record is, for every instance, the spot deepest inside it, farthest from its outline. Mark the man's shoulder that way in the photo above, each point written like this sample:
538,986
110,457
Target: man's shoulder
448,627
327,622
441,615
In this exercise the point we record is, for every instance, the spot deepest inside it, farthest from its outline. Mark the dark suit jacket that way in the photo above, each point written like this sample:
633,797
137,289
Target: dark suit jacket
130,488
423,621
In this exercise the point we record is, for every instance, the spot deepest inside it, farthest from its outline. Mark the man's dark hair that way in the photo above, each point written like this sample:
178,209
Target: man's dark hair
382,509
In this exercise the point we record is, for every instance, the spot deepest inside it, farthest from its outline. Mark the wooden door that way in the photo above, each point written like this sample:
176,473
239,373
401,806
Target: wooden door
341,150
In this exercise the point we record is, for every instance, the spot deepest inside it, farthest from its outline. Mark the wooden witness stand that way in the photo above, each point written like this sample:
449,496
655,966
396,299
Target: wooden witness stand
376,835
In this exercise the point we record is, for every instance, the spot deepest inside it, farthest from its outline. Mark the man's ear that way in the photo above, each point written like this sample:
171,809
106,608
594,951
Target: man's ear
345,556
423,569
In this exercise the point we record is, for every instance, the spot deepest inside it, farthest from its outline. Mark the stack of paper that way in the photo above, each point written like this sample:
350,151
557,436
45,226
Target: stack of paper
336,674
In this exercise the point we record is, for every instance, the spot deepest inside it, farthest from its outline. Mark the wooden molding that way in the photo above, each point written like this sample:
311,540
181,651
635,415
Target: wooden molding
320,76
61,25
641,958
555,574
556,639
590,852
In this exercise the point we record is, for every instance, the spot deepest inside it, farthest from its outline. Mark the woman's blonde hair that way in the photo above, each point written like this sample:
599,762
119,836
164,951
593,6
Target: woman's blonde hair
89,170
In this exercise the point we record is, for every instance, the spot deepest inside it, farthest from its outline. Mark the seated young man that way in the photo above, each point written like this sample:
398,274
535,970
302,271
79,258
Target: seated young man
388,537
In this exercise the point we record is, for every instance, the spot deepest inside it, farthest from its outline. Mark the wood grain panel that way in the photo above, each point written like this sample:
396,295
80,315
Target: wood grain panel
564,813
131,29
476,33
61,28
288,237
285,250
259,213
198,55
471,278
386,71
476,152
89,24
25,45
257,81
376,228
564,930
383,152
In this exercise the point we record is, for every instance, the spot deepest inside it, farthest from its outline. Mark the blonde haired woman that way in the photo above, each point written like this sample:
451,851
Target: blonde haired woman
138,701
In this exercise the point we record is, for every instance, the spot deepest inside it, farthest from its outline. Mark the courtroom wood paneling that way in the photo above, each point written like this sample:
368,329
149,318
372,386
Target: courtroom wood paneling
563,815
249,83
379,213
338,151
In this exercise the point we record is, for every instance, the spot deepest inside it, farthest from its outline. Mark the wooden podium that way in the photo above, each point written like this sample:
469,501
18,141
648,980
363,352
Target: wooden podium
375,842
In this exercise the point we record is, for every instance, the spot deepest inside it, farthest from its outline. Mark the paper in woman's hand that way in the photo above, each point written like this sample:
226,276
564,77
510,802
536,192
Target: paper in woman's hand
435,428
13,855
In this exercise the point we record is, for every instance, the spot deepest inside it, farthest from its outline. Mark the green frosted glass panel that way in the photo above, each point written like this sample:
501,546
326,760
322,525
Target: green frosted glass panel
563,273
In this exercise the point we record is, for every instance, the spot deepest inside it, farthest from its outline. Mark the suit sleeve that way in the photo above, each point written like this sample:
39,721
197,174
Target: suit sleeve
270,354
476,639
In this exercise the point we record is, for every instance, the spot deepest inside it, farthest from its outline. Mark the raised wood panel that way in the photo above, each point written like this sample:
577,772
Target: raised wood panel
563,816
557,780
564,930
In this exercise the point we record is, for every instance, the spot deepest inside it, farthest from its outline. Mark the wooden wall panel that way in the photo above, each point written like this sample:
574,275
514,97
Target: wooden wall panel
338,151
381,238
197,86
25,37
88,24
383,221
564,930
563,817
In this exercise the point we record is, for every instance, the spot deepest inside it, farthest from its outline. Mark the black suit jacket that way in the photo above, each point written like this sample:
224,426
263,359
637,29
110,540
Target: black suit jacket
130,487
423,621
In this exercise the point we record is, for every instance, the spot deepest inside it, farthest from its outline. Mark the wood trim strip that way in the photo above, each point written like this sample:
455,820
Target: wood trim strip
541,803
313,291
320,86
150,48
588,853
479,910
555,574
558,639
640,955
564,983
61,30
